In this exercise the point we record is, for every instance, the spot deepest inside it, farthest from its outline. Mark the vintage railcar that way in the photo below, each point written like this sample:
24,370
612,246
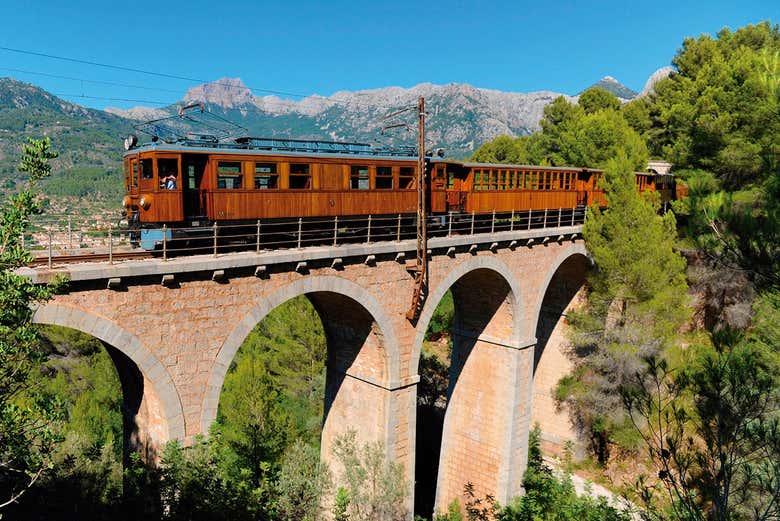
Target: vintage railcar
197,181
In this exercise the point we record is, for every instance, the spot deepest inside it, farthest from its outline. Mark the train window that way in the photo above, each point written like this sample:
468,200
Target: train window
484,180
358,178
493,180
501,179
533,180
300,176
135,173
450,180
229,175
146,169
266,176
384,178
165,168
406,177
554,183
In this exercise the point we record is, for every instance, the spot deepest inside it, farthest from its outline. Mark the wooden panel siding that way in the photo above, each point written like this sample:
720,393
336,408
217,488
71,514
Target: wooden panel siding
273,204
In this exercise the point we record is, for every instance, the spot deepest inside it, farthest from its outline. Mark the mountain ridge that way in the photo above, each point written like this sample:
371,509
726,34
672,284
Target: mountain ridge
461,118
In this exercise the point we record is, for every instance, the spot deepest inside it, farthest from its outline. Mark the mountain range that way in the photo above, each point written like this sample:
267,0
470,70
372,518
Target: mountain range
460,118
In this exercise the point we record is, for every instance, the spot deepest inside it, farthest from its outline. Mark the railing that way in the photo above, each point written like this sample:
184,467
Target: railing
60,235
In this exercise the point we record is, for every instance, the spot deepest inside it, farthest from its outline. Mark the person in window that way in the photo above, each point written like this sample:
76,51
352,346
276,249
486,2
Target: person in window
170,181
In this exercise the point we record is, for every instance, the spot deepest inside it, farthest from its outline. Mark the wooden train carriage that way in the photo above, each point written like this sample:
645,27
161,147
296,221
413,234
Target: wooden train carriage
481,187
218,184
194,182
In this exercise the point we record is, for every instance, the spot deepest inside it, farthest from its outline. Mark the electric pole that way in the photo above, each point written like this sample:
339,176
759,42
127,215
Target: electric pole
421,268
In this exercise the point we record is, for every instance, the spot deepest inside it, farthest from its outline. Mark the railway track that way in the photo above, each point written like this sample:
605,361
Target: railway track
90,257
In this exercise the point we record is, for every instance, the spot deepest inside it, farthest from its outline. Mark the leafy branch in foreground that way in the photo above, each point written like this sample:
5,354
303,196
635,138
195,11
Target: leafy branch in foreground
712,429
26,439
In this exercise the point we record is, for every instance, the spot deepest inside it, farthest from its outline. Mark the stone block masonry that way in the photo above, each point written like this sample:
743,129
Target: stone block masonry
182,336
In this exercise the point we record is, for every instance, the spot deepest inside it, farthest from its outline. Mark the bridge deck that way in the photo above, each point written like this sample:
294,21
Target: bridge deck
93,271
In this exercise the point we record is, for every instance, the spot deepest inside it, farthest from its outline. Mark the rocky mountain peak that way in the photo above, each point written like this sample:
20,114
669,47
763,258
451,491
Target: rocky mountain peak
654,78
612,85
227,93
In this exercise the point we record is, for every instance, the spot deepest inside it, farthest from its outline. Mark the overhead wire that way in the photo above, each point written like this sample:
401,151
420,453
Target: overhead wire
396,110
191,79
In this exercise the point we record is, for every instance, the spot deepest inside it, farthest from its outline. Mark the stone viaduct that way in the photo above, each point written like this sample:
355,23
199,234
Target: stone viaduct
173,328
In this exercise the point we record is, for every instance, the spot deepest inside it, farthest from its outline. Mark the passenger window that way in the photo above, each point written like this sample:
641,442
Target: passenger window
480,180
229,175
450,180
168,173
493,180
384,178
406,177
300,176
266,176
358,178
146,169
135,173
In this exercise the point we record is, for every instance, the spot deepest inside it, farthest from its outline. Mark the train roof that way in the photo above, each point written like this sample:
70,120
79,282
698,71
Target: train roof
334,149
280,146
471,164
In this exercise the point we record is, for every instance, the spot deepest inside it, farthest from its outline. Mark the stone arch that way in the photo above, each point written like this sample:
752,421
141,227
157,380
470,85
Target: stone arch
482,417
576,250
326,293
157,389
560,290
462,269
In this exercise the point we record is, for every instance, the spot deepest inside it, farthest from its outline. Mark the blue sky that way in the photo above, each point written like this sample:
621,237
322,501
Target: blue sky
323,47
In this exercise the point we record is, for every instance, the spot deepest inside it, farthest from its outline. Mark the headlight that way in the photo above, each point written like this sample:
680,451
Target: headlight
145,202
126,201
131,141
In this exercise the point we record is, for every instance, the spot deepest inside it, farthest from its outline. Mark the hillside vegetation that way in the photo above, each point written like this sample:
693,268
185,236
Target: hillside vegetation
699,399
89,141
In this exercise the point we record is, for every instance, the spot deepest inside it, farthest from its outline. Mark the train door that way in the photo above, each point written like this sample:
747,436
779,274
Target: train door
436,189
194,167
455,189
582,187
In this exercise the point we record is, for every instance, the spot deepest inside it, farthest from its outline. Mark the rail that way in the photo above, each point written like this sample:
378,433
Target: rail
56,240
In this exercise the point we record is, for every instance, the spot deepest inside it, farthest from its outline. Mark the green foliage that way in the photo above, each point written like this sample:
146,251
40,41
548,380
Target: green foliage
376,487
552,498
302,484
84,136
286,354
711,427
589,135
720,110
636,305
341,505
596,99
199,483
26,437
503,149
442,318
720,113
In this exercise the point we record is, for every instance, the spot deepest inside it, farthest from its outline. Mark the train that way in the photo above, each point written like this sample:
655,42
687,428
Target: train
174,189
